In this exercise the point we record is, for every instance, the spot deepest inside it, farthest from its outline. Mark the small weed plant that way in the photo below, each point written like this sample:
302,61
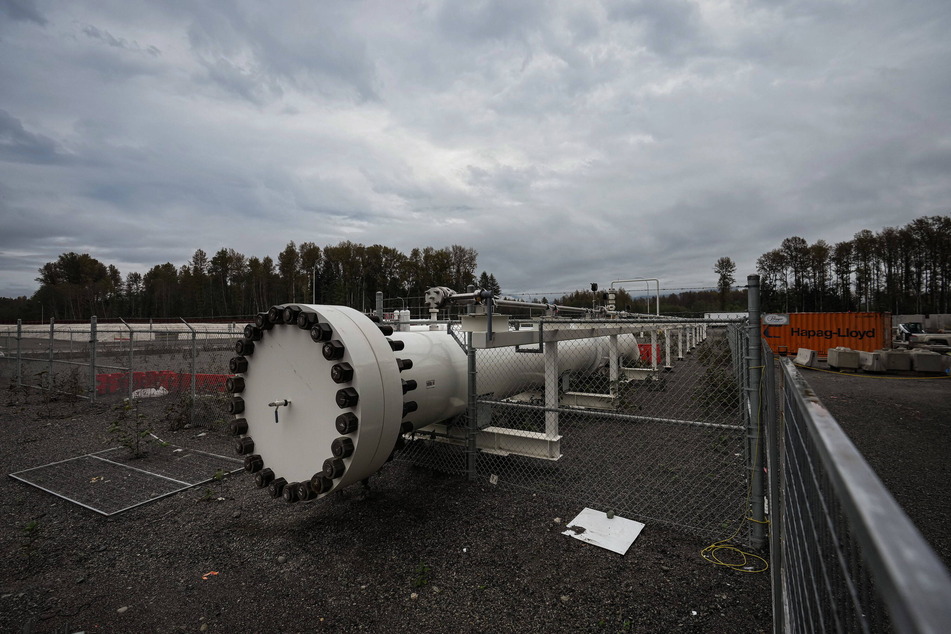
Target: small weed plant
421,577
29,535
130,428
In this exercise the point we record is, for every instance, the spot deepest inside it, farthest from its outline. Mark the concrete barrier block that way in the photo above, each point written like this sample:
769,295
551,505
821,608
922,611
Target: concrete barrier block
897,361
926,361
843,359
872,361
806,357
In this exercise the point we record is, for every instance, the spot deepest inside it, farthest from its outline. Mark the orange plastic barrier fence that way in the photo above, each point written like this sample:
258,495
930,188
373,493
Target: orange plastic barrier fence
118,382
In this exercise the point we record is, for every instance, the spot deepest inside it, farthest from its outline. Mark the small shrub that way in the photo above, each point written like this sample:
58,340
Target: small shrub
29,535
130,428
422,575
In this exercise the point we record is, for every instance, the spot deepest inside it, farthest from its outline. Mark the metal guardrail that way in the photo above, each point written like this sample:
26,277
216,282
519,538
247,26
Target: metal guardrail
848,558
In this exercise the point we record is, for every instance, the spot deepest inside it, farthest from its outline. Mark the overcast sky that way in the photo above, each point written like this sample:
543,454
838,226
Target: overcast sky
567,142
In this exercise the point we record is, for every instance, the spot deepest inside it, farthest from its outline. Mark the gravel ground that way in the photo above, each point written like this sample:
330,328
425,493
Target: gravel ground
419,552
902,425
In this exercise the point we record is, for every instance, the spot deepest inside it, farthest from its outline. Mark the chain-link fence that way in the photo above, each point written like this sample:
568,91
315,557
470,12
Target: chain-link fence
179,367
643,418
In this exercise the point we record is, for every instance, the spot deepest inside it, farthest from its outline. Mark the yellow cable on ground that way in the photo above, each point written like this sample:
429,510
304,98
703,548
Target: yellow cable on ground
746,563
711,552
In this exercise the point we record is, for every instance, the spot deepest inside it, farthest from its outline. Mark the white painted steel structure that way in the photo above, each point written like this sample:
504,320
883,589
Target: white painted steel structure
322,395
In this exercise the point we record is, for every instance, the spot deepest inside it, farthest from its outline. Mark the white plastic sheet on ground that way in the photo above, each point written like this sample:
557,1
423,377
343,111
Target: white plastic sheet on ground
150,392
594,527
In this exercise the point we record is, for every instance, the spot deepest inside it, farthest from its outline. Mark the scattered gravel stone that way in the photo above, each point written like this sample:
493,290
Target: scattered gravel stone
489,551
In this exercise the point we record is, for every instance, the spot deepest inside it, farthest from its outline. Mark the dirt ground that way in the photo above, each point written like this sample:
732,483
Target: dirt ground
419,552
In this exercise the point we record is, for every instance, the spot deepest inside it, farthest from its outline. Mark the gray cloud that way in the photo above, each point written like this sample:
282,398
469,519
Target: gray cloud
24,10
566,142
19,145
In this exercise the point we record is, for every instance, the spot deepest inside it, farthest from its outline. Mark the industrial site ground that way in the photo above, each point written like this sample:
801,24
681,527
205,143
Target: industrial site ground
419,552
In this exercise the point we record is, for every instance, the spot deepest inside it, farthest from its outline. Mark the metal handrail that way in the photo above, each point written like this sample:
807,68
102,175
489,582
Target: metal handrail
910,579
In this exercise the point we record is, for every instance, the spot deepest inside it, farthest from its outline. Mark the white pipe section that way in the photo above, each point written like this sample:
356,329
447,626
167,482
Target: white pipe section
348,392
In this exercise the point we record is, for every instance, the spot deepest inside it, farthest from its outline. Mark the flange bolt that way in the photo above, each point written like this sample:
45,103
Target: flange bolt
261,321
253,463
347,397
306,321
396,345
321,483
346,423
304,491
290,314
239,426
321,332
341,372
244,446
276,487
290,492
275,315
333,350
264,477
342,447
333,468
244,346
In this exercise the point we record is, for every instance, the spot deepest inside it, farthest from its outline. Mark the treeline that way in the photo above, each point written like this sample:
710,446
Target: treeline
229,283
688,303
899,270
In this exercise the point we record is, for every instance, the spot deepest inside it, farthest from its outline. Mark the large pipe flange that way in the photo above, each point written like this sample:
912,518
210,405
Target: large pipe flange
317,398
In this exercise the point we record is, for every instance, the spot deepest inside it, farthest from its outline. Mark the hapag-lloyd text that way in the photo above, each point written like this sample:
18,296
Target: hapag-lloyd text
829,334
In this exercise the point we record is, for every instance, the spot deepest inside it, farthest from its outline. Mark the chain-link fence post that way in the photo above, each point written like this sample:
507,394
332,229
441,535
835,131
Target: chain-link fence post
92,359
551,385
668,363
131,343
191,399
49,372
472,412
654,350
19,361
757,503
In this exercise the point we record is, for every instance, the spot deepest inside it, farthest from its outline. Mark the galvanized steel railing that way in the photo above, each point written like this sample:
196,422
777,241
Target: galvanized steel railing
846,557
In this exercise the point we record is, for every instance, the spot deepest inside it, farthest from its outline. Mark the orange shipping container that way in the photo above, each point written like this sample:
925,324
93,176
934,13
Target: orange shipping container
822,331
